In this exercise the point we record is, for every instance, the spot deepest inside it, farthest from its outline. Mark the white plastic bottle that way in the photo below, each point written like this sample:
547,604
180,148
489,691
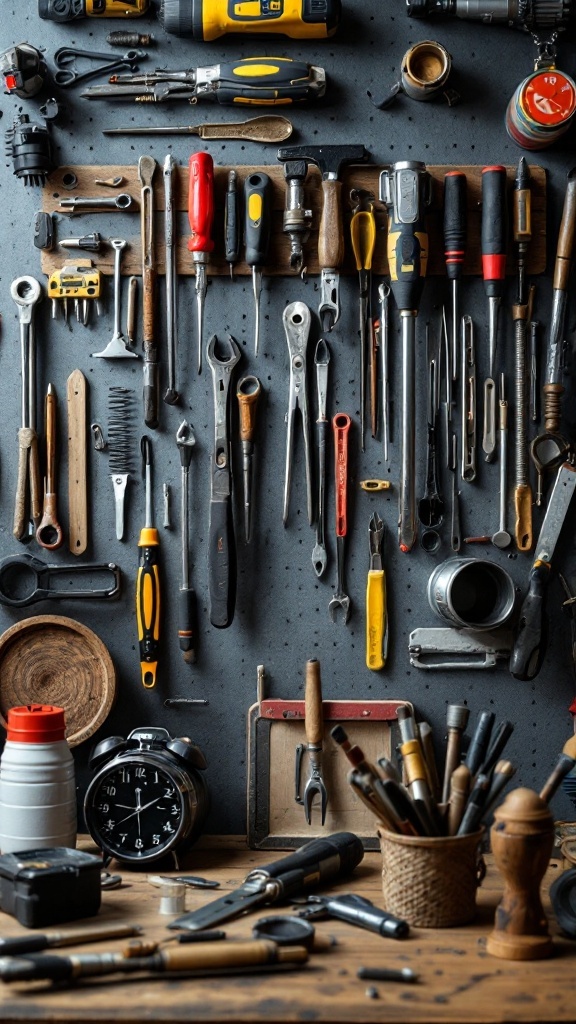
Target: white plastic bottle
37,783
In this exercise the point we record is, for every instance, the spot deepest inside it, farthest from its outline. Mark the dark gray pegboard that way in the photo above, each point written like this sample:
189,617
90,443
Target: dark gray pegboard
282,609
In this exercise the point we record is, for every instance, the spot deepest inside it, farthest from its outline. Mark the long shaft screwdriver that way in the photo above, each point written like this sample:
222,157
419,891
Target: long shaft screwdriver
455,190
257,209
248,392
494,238
201,219
363,235
553,388
187,626
146,169
148,581
521,314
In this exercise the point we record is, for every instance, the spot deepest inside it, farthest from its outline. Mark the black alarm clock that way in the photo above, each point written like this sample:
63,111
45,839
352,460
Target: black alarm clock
147,798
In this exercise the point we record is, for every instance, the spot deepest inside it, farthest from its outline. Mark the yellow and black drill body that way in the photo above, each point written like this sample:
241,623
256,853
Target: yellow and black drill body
209,19
406,189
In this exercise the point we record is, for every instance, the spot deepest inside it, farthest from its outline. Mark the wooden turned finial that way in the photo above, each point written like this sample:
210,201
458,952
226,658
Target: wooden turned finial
522,837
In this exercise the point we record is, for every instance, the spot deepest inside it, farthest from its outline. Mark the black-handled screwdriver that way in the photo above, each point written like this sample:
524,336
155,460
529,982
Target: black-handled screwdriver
455,227
494,246
232,222
187,611
257,221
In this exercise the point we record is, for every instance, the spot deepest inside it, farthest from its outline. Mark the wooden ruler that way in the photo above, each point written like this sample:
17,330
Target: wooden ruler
77,452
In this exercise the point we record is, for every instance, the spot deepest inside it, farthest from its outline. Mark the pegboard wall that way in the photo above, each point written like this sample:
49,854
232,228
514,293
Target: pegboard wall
282,608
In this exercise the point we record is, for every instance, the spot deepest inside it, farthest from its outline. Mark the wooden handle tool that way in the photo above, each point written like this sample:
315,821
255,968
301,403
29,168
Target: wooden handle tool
77,459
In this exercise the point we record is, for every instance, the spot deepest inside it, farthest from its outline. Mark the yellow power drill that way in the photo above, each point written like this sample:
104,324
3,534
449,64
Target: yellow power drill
210,19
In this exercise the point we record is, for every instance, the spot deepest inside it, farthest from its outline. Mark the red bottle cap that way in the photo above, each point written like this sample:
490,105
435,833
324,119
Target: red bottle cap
549,98
36,723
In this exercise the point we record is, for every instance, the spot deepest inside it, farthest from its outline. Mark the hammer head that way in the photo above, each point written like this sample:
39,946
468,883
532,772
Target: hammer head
329,159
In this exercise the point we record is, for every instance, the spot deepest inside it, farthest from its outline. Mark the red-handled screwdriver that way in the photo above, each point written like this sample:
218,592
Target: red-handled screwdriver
494,242
454,246
201,219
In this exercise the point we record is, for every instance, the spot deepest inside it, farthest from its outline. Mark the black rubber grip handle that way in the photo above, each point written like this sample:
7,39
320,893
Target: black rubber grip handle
494,229
321,859
18,944
232,224
479,742
455,221
221,564
187,623
37,965
499,741
257,218
530,644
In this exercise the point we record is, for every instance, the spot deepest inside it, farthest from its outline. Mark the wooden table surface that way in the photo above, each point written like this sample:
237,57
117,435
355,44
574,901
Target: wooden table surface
459,981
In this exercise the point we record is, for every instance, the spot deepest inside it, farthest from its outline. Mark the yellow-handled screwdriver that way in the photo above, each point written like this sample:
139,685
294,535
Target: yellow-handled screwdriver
376,612
363,236
148,581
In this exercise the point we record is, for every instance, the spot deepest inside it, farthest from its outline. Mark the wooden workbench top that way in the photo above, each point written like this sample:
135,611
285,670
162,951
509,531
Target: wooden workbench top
459,981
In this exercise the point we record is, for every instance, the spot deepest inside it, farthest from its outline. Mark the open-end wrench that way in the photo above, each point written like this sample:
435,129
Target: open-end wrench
314,725
79,204
221,545
296,319
341,427
321,361
26,292
117,347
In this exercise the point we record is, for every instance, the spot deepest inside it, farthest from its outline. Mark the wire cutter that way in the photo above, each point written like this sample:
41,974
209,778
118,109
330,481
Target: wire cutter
296,319
376,616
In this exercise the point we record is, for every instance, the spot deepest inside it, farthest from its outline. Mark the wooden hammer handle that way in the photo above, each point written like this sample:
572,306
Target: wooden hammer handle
313,703
331,234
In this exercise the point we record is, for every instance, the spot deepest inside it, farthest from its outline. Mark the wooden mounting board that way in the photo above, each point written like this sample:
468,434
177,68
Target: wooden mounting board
275,820
365,176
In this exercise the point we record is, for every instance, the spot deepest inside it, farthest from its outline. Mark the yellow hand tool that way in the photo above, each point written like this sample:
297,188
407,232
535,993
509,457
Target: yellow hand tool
209,19
376,615
80,282
148,581
363,235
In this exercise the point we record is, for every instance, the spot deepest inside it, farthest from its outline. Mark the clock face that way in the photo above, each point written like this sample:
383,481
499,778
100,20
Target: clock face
135,811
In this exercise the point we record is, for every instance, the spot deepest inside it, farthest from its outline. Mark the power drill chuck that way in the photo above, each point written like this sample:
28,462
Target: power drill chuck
527,14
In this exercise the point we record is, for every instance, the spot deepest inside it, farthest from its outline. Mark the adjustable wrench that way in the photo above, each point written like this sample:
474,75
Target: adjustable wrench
221,545
26,292
296,319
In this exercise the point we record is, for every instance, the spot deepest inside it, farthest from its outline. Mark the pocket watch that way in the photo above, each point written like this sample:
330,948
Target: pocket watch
147,798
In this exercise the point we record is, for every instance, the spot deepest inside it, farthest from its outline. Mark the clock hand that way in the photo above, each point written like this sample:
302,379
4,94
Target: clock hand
140,809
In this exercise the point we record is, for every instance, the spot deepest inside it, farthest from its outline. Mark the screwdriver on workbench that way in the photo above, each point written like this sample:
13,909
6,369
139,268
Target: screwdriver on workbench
257,218
148,580
363,236
455,191
494,239
201,219
248,392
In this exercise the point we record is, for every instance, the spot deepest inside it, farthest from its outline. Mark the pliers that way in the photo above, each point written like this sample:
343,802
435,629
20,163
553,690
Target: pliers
376,612
296,319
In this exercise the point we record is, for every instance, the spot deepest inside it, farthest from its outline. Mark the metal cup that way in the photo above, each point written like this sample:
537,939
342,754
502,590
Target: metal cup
471,593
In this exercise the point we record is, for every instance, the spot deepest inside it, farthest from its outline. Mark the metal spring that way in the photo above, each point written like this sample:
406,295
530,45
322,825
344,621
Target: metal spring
121,408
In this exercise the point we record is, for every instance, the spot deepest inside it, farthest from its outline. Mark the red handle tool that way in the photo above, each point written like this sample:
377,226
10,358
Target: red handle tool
341,426
201,220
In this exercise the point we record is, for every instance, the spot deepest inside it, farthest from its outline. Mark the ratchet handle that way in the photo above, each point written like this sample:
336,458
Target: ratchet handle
341,427
221,563
530,643
566,236
375,619
455,189
201,202
258,211
148,605
187,623
494,229
314,722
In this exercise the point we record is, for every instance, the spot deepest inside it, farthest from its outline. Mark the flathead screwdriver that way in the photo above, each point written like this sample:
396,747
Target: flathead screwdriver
257,211
494,240
455,189
201,219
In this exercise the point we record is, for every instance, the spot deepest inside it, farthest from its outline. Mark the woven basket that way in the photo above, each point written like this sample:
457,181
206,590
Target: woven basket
431,882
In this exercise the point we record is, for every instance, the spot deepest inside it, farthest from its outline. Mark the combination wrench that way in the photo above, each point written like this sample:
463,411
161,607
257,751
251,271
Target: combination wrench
26,293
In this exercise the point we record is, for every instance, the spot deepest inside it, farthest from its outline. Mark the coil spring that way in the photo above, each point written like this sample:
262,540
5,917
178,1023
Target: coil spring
121,408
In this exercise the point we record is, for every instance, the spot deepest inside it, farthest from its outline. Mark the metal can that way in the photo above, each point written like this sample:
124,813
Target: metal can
471,593
541,109
425,70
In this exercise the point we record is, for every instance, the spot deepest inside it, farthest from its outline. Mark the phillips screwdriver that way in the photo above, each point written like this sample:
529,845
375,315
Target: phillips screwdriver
232,222
363,235
187,625
248,392
257,211
201,219
148,580
455,188
494,238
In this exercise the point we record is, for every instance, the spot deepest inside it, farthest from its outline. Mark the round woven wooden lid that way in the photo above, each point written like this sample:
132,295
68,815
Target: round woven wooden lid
50,659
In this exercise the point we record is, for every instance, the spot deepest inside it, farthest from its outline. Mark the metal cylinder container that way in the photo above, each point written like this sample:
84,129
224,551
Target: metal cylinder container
471,593
425,70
